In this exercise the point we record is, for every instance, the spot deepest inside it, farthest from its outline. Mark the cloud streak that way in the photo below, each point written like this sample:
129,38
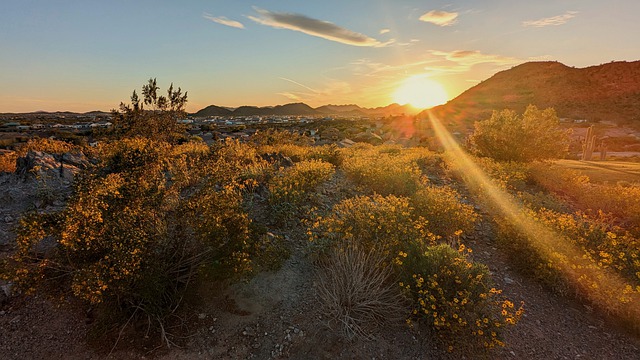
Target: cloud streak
551,21
314,27
468,58
440,18
223,21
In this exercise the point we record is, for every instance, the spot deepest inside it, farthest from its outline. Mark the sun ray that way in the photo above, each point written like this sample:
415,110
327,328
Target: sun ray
603,288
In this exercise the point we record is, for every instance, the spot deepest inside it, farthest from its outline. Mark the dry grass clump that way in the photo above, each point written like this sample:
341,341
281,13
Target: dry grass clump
357,291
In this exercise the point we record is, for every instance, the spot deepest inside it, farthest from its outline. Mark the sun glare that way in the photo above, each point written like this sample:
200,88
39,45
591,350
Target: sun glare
420,92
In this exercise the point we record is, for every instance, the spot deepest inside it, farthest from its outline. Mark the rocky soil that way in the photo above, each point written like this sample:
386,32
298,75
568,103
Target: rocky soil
275,314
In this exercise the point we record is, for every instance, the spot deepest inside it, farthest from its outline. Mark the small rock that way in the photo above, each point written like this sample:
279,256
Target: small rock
202,316
8,219
508,280
248,332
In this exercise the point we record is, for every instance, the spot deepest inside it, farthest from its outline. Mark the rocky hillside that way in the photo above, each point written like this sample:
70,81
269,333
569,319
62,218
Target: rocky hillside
608,92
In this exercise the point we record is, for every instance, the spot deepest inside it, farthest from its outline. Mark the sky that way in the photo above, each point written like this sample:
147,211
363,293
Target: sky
89,55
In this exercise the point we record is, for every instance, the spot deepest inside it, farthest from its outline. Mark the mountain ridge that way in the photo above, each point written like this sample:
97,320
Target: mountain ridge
608,91
304,109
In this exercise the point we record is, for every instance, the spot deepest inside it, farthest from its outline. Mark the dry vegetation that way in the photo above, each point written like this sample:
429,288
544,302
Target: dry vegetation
152,219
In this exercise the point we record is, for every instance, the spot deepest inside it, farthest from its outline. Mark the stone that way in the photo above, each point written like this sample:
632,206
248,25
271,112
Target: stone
77,160
4,238
45,248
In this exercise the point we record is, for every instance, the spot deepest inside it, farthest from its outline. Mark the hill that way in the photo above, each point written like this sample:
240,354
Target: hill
304,109
213,110
596,93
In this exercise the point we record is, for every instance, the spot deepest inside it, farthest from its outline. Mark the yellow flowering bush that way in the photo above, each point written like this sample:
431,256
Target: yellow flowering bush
328,153
292,185
603,268
46,145
622,201
8,161
136,232
456,296
441,206
385,169
378,222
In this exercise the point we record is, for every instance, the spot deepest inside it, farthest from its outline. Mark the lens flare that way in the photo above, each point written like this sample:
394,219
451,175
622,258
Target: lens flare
603,288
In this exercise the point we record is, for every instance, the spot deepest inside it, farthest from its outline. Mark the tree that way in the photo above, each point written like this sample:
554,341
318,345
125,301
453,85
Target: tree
506,136
155,117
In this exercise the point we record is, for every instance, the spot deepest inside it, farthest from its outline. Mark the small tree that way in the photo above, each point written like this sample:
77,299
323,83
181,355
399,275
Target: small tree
506,136
154,117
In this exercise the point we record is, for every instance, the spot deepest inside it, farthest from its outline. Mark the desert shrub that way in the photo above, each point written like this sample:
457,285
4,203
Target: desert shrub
297,153
45,145
371,222
441,206
590,260
8,161
134,236
293,184
385,169
154,116
621,201
535,135
507,175
357,291
455,296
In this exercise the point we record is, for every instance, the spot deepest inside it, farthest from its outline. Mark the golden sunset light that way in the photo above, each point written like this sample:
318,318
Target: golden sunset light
320,179
421,92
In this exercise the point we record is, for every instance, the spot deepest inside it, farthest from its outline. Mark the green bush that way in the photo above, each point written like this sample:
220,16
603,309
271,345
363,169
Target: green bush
455,296
535,135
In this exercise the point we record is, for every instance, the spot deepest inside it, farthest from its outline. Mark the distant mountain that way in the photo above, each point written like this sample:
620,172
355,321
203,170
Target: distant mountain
337,109
213,110
604,92
304,109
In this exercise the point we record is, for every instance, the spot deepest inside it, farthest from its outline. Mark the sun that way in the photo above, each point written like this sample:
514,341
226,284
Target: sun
420,92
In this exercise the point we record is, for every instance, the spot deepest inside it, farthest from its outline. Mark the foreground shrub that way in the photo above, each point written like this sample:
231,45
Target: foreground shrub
455,297
385,169
376,222
447,216
592,260
621,201
297,153
292,185
45,145
135,233
8,161
357,292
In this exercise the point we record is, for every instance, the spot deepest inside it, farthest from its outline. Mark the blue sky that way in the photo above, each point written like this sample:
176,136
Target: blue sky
88,55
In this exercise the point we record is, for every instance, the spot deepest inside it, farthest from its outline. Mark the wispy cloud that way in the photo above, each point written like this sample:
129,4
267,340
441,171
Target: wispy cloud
299,84
223,20
440,18
384,31
551,21
468,58
328,91
314,27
